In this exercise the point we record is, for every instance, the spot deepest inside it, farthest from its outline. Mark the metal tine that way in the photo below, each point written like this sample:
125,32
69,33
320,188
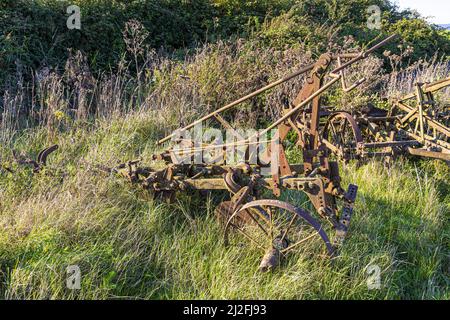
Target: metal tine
43,155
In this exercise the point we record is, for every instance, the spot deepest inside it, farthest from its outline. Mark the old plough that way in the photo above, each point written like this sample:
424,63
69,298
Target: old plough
254,213
415,125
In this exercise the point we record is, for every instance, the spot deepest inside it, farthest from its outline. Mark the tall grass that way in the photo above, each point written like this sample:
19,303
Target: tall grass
403,81
130,246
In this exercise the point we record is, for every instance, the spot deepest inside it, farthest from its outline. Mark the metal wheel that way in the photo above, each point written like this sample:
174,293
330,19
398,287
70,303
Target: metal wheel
276,228
342,136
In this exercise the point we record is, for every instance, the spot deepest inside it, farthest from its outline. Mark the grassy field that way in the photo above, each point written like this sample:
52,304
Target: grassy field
107,99
129,246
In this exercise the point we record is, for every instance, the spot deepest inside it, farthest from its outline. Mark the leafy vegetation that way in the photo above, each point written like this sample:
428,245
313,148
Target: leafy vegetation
34,33
139,69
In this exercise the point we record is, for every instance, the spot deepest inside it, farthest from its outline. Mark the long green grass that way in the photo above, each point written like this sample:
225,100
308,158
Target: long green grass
130,246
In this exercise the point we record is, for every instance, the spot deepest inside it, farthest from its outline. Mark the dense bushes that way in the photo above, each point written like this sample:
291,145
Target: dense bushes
34,33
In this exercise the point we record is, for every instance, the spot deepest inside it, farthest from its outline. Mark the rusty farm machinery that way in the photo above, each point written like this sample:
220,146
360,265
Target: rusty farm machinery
254,213
415,125
255,173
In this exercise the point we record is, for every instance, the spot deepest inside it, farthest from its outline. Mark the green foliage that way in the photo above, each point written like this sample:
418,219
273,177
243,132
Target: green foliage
34,33
317,22
425,39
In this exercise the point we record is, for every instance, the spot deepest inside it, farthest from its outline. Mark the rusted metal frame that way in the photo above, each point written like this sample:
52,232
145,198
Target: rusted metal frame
423,119
430,122
323,189
241,100
327,200
390,144
429,141
309,93
257,92
321,182
283,118
298,107
311,134
243,169
312,97
431,87
421,105
292,183
429,154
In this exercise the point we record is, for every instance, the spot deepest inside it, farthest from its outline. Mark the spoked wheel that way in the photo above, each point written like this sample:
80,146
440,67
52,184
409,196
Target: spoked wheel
276,228
343,136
